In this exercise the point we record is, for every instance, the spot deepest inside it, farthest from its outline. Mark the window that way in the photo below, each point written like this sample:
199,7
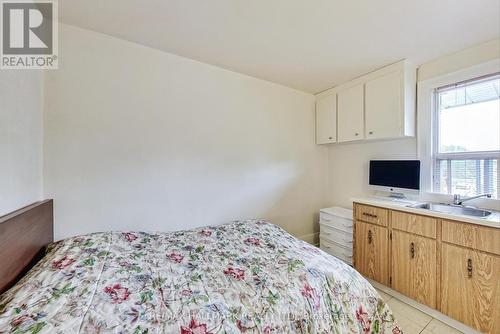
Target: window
466,147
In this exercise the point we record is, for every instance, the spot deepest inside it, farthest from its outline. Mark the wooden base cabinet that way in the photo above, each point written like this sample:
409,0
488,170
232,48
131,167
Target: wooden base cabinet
413,270
372,251
450,266
470,287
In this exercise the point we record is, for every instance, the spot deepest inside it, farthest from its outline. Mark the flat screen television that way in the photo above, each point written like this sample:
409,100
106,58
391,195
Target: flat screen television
395,176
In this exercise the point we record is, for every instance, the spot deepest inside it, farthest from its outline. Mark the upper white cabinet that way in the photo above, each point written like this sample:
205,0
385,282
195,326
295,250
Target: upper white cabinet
378,105
390,104
326,119
350,114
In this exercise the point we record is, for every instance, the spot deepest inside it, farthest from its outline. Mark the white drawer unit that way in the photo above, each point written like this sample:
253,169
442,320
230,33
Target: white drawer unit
336,217
340,252
338,236
336,232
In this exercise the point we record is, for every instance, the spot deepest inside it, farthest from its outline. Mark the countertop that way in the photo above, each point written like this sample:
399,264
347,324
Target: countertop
492,220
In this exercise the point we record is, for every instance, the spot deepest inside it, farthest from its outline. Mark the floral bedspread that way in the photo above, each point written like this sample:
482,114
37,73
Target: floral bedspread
242,277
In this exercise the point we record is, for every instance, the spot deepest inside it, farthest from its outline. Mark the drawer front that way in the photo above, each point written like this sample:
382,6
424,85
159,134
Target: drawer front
420,225
336,222
338,236
483,238
371,214
336,250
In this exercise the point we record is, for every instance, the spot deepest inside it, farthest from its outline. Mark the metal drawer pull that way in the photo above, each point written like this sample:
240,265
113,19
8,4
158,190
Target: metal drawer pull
347,255
370,236
369,215
412,250
469,267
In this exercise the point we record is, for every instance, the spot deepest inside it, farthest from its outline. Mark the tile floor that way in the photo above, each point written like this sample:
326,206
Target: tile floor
414,321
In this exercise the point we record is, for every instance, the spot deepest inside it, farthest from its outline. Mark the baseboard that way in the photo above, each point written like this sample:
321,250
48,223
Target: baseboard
425,309
312,238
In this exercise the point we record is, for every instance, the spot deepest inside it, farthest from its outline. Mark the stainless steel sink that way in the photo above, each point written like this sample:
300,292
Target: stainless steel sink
452,209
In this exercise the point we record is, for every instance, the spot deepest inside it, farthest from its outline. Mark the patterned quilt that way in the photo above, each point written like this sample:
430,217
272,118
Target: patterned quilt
242,277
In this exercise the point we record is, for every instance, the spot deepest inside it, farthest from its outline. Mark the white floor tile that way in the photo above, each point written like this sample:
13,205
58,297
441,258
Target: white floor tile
413,321
438,327
408,317
384,295
408,326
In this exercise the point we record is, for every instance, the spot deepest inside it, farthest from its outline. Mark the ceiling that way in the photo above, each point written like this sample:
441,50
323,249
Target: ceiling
310,45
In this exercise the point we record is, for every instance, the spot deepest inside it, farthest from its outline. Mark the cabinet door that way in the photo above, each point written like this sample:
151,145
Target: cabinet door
326,119
414,266
401,262
372,252
423,270
350,114
470,286
384,108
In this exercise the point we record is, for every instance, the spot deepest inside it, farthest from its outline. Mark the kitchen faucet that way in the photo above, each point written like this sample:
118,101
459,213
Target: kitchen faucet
457,200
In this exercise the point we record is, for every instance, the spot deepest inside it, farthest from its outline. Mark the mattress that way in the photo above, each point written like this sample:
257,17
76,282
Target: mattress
242,277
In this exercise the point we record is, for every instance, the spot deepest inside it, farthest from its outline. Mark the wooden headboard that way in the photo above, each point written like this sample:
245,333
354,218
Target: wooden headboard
24,234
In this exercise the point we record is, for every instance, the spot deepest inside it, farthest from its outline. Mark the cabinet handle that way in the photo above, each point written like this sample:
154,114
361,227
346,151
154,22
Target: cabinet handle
370,238
369,215
356,134
469,268
371,132
412,250
330,138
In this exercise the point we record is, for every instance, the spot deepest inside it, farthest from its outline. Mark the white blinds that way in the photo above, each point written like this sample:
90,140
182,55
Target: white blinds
471,91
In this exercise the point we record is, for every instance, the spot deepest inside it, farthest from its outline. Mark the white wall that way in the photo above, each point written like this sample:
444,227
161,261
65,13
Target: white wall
348,166
478,54
135,138
20,138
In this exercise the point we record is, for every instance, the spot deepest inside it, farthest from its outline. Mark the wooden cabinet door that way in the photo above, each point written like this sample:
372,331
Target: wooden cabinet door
326,119
423,270
384,108
351,113
372,251
401,262
470,285
414,266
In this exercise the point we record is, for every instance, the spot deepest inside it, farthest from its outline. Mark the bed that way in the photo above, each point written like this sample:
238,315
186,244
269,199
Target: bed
242,277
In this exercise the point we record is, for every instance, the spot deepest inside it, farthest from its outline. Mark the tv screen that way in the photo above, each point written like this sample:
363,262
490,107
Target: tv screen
395,173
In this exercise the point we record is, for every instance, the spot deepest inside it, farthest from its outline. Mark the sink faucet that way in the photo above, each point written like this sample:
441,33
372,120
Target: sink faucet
457,200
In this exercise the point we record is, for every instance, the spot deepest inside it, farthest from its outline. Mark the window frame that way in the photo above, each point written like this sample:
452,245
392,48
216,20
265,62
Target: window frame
472,155
427,120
